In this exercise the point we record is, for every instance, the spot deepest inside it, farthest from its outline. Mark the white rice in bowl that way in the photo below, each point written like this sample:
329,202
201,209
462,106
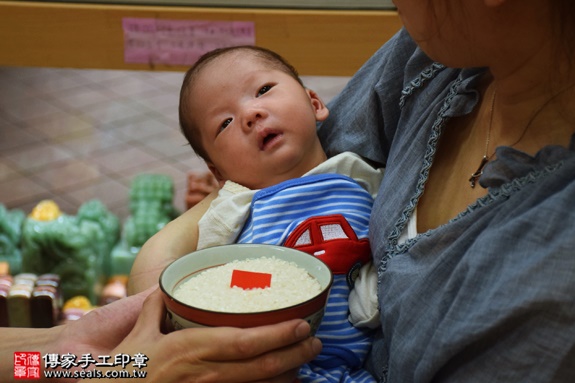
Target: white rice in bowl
210,289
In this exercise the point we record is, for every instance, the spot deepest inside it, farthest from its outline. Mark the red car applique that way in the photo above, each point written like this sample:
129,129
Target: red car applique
331,239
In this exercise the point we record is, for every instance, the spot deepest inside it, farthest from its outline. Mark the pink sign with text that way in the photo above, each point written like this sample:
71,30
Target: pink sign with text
180,42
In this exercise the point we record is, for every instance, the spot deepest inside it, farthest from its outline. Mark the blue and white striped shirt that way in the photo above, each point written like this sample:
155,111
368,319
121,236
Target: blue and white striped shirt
275,212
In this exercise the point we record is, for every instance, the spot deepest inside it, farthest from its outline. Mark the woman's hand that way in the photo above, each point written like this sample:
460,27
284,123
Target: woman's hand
218,354
102,329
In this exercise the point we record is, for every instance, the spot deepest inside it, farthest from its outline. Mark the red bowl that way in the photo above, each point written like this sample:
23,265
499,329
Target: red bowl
183,315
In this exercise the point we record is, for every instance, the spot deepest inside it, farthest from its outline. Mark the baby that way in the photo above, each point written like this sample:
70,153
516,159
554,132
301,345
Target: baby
245,111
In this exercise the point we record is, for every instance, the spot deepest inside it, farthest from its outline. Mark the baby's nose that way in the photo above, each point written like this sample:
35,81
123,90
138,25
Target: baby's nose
253,119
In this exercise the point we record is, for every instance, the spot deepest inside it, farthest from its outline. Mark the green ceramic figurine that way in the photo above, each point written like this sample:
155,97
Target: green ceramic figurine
10,237
151,208
73,247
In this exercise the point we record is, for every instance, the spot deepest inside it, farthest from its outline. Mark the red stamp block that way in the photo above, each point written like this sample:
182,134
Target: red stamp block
27,365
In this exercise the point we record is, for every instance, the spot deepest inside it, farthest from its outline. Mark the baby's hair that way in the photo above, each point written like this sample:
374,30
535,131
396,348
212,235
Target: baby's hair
189,130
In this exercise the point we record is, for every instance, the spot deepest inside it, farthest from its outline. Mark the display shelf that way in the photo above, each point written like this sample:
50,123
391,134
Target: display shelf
298,4
81,35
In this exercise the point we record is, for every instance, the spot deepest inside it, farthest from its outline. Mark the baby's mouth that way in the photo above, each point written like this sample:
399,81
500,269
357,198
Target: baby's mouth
268,139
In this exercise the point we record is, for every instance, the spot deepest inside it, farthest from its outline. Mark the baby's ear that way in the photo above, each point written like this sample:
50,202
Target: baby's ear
320,109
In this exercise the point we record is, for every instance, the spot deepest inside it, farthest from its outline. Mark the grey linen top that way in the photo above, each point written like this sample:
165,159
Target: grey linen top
489,296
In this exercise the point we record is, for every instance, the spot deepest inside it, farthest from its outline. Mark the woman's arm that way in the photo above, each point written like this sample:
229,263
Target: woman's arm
176,239
363,118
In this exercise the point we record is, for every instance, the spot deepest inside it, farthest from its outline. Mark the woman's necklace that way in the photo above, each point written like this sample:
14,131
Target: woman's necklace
475,176
487,157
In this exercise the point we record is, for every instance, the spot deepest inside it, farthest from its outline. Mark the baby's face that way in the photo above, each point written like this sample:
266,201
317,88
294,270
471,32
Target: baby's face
258,125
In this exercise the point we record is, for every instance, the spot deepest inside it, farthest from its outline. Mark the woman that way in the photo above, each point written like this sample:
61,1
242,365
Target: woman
474,241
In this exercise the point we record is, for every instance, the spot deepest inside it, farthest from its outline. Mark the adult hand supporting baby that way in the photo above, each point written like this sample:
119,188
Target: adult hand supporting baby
224,354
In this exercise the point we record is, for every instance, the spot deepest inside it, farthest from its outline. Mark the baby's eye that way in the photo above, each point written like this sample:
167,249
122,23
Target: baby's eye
225,124
264,90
